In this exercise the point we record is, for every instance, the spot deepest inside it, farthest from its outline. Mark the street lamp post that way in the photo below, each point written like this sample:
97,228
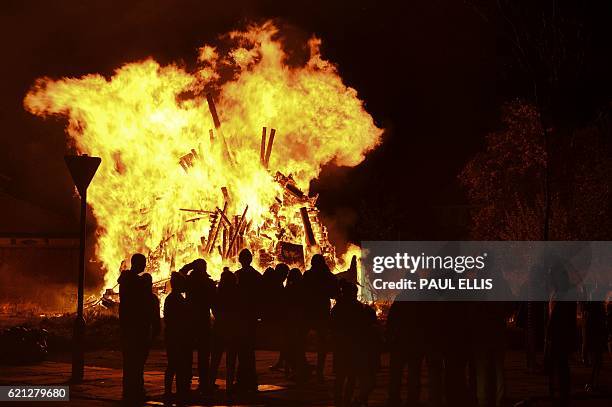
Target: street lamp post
82,169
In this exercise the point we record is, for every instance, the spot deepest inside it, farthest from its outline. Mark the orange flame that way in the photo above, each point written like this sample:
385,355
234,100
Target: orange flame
147,118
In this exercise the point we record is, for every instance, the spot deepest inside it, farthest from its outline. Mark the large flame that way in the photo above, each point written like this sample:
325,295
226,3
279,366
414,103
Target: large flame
151,125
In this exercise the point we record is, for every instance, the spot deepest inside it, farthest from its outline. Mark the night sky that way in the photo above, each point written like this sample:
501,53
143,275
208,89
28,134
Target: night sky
428,71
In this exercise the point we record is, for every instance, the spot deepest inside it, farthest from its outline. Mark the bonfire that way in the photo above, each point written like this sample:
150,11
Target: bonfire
205,161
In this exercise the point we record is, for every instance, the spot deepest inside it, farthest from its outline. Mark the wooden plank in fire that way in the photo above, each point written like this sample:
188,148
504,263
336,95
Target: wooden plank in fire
217,122
159,250
310,238
224,217
228,249
237,229
213,224
187,160
213,111
269,147
291,253
294,190
237,244
288,184
224,245
183,164
246,227
262,150
212,237
226,195
234,234
198,211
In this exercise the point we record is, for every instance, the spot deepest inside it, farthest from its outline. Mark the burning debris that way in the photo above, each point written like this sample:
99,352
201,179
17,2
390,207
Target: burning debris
282,237
189,175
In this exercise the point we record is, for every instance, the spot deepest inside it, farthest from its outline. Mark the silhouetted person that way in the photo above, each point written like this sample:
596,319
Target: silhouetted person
249,291
274,313
355,346
154,324
320,286
371,347
134,324
267,276
228,331
407,340
560,334
177,334
268,310
295,327
200,289
347,328
410,346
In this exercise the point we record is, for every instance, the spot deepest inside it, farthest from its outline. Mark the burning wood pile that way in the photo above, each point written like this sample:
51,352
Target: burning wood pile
278,239
291,234
185,176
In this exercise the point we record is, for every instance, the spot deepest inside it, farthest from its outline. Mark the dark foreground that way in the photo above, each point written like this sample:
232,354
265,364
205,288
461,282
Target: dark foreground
102,384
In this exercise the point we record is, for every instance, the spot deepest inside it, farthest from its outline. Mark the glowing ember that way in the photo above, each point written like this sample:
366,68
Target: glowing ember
174,186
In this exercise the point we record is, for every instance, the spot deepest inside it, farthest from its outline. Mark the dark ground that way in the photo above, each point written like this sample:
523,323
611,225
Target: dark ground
102,384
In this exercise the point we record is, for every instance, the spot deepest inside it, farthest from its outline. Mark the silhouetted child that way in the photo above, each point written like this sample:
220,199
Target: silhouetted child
178,342
226,329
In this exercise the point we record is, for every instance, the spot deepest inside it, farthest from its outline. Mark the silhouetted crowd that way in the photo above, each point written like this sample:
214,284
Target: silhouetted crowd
461,344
